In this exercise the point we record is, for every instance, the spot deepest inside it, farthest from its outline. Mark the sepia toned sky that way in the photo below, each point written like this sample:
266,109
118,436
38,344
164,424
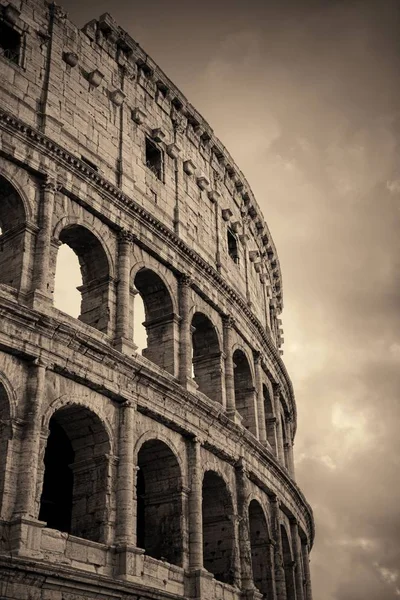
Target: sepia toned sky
306,97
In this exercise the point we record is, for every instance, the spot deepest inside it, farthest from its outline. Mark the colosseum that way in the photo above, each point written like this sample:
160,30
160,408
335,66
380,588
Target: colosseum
159,474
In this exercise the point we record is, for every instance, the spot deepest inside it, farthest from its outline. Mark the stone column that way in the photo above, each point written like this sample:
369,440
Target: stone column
298,571
195,507
126,475
122,341
280,582
43,240
262,434
26,504
279,432
185,341
228,324
307,577
246,570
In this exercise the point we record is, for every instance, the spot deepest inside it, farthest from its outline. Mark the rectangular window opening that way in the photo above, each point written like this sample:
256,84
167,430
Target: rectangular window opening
10,43
154,158
233,250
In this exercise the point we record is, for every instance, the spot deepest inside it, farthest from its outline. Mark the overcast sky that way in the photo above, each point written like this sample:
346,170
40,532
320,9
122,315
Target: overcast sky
310,112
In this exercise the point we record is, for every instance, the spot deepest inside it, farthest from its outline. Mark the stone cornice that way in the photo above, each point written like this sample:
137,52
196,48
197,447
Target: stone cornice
54,150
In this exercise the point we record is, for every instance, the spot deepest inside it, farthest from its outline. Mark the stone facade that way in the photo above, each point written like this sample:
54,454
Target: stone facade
162,475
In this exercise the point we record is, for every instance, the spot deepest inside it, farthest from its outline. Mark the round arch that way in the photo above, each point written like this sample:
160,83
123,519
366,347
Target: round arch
245,393
138,266
207,357
161,323
159,512
75,494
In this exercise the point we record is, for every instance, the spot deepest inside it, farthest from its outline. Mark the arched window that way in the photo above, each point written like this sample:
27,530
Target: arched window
74,495
218,532
244,391
67,282
269,418
288,565
5,436
95,273
206,357
260,554
12,238
160,323
159,502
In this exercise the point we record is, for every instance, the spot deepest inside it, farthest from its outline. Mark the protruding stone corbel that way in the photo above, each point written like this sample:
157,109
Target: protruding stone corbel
117,97
189,167
173,150
244,238
214,196
235,226
95,78
253,255
202,182
257,266
158,134
226,214
138,115
71,58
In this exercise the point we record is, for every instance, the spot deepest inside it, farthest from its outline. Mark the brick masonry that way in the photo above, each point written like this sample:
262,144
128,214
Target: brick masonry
162,475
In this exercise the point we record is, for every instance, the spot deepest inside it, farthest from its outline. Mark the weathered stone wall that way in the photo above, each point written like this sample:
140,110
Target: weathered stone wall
168,474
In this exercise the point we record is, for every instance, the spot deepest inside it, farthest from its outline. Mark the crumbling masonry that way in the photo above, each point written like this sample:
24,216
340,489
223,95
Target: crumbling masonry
161,475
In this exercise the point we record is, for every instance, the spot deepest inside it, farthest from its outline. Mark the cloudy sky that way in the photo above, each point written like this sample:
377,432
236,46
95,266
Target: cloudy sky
310,112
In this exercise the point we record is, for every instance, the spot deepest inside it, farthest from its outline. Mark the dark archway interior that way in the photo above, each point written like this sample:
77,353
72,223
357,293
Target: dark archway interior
12,221
218,533
159,317
74,494
287,565
259,541
58,481
159,508
95,275
244,391
206,357
5,435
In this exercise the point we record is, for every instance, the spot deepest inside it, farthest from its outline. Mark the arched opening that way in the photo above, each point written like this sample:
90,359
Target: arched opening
288,565
5,436
259,541
12,238
270,422
67,282
207,368
159,502
139,329
160,323
245,399
218,532
74,494
95,274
